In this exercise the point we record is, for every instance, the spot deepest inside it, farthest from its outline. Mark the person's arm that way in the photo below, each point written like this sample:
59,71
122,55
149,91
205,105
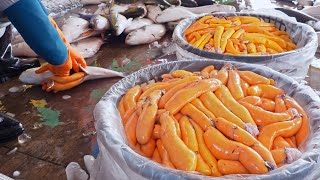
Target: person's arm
31,20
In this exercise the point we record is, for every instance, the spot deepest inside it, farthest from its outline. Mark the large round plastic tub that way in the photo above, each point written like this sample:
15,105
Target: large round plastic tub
293,63
117,160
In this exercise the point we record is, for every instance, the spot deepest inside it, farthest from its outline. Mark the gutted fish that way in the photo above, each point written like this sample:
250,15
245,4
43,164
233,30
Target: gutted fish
153,12
179,13
174,14
23,49
30,77
74,27
146,34
88,47
138,23
120,23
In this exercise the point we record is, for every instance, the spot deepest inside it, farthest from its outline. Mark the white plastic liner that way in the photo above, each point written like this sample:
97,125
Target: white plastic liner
117,160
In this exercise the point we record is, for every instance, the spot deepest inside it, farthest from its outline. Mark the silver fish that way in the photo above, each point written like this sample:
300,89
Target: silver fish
74,27
316,26
100,23
138,23
116,9
120,23
146,34
88,47
97,21
312,11
153,12
174,14
30,77
179,13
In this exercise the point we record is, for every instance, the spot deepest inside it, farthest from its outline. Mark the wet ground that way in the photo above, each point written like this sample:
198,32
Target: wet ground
60,125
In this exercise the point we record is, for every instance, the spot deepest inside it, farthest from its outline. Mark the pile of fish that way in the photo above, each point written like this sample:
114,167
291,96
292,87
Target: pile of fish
141,23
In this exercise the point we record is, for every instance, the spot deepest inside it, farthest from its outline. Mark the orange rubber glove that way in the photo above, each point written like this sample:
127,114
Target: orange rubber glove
59,70
58,83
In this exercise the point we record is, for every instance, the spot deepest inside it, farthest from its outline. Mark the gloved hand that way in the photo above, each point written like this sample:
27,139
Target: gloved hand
58,83
64,69
59,70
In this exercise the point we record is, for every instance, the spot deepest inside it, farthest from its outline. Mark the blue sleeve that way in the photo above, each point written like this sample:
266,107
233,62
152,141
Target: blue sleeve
31,20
